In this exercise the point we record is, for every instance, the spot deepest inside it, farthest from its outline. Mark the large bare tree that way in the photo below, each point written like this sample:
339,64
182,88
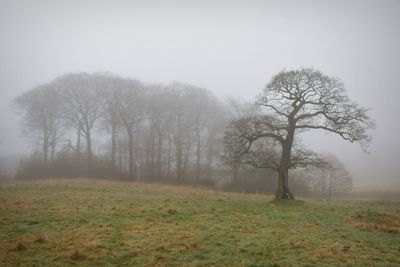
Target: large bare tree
297,101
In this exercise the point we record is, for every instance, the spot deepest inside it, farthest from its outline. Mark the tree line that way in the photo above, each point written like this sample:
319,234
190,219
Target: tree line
144,131
102,125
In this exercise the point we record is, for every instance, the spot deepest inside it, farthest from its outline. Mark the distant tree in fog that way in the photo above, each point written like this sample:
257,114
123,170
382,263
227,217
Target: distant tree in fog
297,101
110,114
81,101
131,101
181,125
333,177
195,120
158,114
232,154
40,112
156,132
203,108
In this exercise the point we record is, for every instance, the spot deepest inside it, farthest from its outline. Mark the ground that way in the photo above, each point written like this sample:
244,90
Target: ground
100,223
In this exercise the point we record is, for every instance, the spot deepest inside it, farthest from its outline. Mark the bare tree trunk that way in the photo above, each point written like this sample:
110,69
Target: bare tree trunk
186,158
53,144
159,152
135,158
179,173
120,167
198,155
209,158
283,191
53,149
330,184
126,160
113,149
130,158
78,150
235,174
45,151
89,153
178,145
152,149
147,159
169,157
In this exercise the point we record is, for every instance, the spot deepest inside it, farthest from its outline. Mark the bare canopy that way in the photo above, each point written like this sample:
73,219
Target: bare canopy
297,101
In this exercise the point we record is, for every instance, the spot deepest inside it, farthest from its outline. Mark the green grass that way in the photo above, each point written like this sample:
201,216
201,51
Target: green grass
99,223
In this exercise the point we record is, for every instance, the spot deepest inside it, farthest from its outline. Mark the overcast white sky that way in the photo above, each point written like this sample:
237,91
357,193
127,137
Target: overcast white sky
230,47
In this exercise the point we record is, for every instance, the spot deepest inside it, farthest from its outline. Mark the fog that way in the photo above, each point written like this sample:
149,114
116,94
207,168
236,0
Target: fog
231,48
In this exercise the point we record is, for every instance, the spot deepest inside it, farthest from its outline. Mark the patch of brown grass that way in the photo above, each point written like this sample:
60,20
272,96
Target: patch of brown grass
295,215
19,247
83,244
371,227
78,256
376,222
330,250
172,211
24,242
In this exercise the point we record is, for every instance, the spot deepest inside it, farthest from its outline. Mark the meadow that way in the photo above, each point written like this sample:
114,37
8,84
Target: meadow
86,222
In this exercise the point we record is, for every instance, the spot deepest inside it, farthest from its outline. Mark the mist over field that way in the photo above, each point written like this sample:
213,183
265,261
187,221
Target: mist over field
230,48
199,133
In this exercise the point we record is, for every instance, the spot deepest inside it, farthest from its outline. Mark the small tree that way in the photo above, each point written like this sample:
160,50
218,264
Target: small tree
334,177
297,101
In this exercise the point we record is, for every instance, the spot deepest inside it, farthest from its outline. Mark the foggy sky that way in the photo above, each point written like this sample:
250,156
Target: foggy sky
229,47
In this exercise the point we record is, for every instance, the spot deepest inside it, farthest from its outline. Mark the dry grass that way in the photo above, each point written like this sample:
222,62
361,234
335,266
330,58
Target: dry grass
376,222
102,223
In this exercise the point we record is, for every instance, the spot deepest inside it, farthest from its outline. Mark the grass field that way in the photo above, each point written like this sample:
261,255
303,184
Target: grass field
100,223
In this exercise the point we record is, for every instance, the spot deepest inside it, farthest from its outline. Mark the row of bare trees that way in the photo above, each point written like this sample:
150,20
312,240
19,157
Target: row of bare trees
142,131
123,128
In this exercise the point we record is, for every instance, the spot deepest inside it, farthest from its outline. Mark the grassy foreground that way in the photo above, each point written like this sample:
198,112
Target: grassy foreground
99,223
